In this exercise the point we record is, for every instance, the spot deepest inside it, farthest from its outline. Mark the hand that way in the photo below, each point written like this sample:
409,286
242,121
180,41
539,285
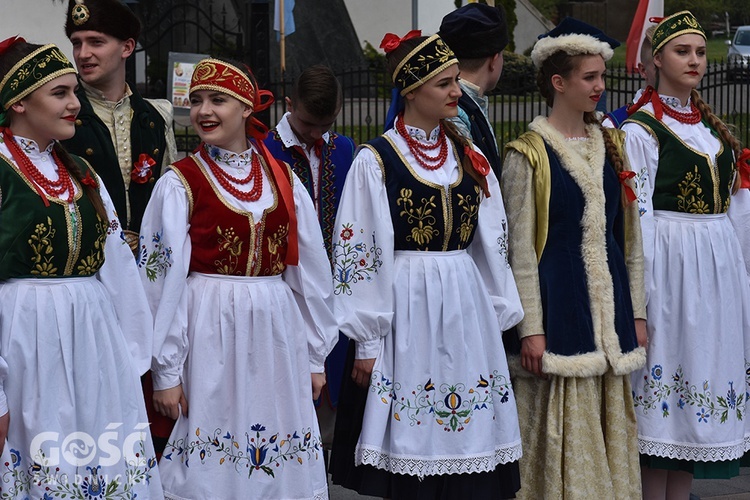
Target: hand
641,333
532,349
4,424
169,402
362,371
318,381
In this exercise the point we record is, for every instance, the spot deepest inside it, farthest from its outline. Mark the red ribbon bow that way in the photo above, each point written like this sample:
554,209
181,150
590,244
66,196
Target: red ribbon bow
142,169
624,176
88,180
481,166
391,42
743,166
649,95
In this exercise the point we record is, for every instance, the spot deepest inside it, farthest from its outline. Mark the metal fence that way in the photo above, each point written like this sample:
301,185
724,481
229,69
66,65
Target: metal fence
367,97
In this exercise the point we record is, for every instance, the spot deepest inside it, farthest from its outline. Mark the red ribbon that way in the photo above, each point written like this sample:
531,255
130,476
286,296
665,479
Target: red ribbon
649,95
743,166
88,180
9,42
481,166
391,42
624,176
142,169
656,19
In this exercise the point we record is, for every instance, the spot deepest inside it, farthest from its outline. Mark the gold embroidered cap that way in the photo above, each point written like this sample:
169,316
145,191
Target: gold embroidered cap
673,26
110,17
41,66
425,61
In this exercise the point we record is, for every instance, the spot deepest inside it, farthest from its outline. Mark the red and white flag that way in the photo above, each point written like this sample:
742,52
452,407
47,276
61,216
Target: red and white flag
646,10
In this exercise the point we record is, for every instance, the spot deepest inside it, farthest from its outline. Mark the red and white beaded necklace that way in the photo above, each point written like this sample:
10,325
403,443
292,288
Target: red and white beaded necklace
420,150
227,181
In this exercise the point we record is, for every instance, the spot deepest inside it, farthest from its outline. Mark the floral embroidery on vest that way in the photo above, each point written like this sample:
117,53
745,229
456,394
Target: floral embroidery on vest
262,451
275,242
41,247
353,261
424,231
471,209
90,265
228,242
690,199
453,408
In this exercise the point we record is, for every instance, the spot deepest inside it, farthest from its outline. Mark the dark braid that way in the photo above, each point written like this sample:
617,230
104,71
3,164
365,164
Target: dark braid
455,136
720,127
91,192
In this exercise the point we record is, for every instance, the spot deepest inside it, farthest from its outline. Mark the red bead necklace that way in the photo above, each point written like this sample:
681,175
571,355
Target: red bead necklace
53,188
227,180
691,118
420,150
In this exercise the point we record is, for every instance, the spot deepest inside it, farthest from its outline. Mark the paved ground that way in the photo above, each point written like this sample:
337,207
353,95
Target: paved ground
704,489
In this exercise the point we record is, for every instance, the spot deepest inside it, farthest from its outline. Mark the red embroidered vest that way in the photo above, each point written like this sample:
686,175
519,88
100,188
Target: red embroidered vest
225,239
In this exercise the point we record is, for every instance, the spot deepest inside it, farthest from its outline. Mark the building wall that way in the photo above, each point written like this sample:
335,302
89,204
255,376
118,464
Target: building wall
531,23
38,21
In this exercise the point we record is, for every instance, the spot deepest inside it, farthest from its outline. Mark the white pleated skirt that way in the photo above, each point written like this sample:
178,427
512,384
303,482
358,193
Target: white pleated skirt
251,430
78,424
691,398
440,399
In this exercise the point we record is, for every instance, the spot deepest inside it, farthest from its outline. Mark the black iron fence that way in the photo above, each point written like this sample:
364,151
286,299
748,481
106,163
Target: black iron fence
367,97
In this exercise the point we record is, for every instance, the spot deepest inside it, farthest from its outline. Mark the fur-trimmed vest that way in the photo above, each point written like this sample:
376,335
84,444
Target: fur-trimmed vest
588,316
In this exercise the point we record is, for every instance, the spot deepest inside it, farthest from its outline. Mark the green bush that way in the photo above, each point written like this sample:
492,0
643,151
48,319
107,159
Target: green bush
519,75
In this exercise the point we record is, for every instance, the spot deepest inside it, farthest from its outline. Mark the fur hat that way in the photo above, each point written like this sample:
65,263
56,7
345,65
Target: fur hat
111,17
475,30
573,37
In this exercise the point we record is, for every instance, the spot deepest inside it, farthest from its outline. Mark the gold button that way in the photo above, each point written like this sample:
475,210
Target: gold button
89,151
79,122
152,180
156,151
151,125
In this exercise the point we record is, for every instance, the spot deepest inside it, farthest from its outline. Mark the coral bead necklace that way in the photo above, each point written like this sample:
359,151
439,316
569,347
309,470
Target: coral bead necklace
227,181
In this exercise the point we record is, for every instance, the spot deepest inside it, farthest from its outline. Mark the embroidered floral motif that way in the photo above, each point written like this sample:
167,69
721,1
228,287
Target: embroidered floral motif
502,243
352,261
41,248
423,232
114,226
690,199
658,392
85,484
469,215
452,407
641,181
93,262
158,261
228,242
262,452
275,242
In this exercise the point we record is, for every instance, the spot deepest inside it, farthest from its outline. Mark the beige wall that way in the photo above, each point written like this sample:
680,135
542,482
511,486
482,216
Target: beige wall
38,21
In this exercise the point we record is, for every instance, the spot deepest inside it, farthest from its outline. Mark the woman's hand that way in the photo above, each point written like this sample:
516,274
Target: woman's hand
4,425
318,381
362,371
532,349
641,332
169,402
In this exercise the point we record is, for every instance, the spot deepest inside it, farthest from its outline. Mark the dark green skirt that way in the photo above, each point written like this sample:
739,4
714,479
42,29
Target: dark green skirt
726,469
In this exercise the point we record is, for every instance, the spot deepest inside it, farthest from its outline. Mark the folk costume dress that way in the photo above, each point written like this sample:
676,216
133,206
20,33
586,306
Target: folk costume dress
240,329
575,251
691,397
75,336
422,283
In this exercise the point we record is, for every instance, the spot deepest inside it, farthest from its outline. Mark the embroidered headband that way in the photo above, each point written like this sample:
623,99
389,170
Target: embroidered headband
36,69
425,61
677,24
575,38
221,76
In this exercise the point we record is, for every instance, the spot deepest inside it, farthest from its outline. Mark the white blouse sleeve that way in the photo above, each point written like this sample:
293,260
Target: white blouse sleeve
310,281
489,249
643,154
363,257
119,275
739,214
163,261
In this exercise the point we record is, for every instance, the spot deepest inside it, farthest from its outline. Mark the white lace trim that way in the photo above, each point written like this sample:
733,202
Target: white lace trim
693,452
422,466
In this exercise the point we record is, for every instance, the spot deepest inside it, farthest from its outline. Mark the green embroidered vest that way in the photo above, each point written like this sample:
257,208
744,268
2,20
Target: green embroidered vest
40,242
687,180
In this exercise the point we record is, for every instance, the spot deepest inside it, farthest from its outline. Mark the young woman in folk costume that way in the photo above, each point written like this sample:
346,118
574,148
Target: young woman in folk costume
239,282
691,398
422,284
575,249
75,328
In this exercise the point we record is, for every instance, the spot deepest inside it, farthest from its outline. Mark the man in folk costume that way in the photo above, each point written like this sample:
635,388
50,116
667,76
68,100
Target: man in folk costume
477,33
128,139
321,159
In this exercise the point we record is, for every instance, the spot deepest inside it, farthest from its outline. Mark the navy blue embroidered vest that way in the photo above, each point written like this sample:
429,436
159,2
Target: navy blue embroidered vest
481,133
618,116
337,155
93,142
427,216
